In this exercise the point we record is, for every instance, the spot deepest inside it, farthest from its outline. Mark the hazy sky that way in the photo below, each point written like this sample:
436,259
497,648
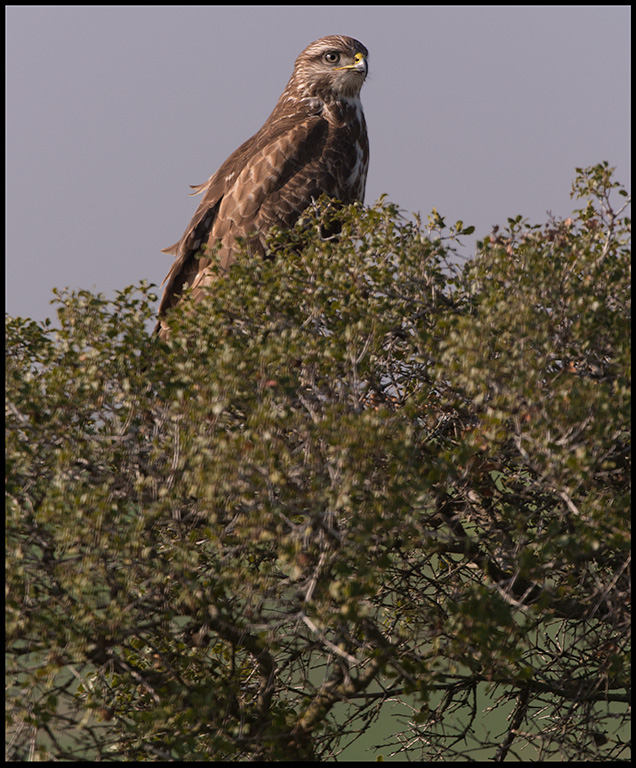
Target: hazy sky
482,112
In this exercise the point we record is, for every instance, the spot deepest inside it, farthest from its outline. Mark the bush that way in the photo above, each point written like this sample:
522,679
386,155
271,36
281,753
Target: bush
356,473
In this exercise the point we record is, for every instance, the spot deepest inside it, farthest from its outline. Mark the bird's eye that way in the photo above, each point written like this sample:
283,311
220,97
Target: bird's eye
332,57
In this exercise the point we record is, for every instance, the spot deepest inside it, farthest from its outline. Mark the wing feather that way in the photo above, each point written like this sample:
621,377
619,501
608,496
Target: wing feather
234,195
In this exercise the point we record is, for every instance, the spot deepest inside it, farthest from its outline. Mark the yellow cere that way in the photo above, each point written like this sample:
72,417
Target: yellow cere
357,58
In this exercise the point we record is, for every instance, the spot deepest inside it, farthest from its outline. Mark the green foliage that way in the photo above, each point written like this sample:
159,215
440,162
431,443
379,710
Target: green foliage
356,472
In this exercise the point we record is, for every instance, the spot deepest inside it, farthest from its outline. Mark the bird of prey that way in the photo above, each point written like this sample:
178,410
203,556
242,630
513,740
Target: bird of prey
314,142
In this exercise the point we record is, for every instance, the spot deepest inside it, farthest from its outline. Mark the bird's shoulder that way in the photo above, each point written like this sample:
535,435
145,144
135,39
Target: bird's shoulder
280,138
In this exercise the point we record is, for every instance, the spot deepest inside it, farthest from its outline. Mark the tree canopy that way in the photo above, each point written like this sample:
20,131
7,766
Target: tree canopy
360,472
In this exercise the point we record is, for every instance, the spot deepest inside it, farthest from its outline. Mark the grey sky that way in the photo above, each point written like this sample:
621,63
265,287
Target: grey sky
482,112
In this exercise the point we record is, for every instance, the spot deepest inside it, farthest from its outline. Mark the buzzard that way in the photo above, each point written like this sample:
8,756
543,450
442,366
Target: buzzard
314,142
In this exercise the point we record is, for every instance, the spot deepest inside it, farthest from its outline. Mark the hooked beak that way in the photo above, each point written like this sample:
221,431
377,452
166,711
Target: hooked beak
360,64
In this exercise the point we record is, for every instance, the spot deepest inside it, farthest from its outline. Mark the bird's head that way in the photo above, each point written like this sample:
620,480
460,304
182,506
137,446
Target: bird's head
331,68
